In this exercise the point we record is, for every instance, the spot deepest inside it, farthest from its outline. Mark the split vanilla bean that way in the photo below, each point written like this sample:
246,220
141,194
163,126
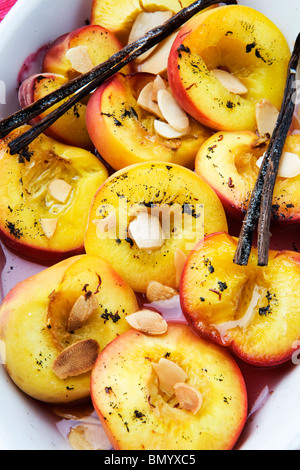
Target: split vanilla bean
260,204
89,81
285,121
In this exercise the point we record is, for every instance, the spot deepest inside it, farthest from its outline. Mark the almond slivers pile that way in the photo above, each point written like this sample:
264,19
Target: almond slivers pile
173,121
172,381
79,357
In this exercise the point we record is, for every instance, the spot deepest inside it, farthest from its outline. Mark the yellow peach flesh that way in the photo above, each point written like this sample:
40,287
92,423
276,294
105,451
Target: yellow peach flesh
229,164
25,199
246,308
123,132
188,203
237,39
34,336
124,383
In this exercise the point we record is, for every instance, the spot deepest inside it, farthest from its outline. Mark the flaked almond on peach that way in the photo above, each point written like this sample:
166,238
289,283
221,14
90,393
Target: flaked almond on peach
173,391
223,62
134,119
54,324
145,218
253,311
230,161
45,196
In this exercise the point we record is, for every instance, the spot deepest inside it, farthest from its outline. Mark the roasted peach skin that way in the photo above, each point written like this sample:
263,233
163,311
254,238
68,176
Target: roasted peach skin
227,162
123,133
152,185
33,320
27,204
237,39
136,415
244,308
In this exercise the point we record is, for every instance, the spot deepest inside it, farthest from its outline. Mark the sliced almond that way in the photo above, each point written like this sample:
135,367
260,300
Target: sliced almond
106,224
80,59
157,292
266,117
148,322
146,231
60,190
172,111
179,262
168,132
230,82
78,438
169,374
289,166
157,62
145,101
82,310
158,84
77,359
49,227
189,398
144,22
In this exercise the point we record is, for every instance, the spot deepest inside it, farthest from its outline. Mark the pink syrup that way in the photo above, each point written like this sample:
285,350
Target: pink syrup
32,65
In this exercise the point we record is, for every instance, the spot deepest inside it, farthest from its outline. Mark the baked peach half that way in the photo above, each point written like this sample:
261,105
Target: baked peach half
67,57
253,311
146,216
230,161
127,126
71,127
54,324
45,196
173,391
223,62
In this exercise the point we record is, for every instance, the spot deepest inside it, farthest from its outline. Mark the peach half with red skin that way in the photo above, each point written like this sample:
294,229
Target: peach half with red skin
45,196
71,127
228,162
34,325
123,132
91,45
177,208
253,311
136,415
99,43
236,39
